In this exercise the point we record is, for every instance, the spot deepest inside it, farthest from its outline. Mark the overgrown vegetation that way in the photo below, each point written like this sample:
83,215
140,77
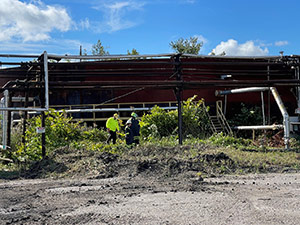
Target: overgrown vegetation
160,123
74,147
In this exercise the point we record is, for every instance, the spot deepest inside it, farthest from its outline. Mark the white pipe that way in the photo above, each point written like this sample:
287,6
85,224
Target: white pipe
23,109
286,118
285,115
19,99
241,90
111,109
267,127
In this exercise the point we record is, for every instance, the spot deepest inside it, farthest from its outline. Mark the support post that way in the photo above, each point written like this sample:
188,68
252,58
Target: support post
4,103
25,119
43,137
269,99
8,134
178,93
263,107
179,109
45,100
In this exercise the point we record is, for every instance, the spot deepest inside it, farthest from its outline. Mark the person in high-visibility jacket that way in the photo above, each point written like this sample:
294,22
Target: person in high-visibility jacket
112,125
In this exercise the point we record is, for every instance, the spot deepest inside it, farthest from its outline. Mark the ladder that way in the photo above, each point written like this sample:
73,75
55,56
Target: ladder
218,122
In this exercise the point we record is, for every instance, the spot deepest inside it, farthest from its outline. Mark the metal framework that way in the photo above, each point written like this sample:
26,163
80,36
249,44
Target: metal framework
177,72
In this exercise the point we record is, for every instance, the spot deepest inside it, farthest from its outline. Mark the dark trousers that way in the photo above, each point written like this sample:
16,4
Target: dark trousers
112,136
136,140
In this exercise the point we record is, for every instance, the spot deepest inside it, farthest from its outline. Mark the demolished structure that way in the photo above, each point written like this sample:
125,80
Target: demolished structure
91,87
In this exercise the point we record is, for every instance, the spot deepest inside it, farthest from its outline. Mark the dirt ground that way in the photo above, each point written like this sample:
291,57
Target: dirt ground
248,199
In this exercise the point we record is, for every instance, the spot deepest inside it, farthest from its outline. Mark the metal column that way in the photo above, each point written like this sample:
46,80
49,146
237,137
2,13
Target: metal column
178,93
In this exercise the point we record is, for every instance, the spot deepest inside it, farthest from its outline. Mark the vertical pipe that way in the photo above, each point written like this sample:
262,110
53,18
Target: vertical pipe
25,119
269,98
178,92
4,119
44,101
286,118
43,137
298,88
80,52
8,133
178,97
263,107
46,80
225,104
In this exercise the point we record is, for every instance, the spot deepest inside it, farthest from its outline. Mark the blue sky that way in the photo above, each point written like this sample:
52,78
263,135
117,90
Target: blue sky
238,27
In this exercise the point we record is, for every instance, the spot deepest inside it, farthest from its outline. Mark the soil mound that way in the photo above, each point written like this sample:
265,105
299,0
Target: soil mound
159,162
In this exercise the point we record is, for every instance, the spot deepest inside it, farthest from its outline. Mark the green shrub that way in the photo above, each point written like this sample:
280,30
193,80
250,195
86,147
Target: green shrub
94,134
195,119
162,123
59,132
248,115
159,123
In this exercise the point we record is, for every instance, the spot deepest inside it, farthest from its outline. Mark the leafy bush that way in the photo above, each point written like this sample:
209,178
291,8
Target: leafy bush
94,134
195,118
161,123
248,115
59,132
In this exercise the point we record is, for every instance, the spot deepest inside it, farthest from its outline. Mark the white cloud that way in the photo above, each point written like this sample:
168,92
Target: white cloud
281,43
233,48
31,21
201,38
53,46
84,24
116,15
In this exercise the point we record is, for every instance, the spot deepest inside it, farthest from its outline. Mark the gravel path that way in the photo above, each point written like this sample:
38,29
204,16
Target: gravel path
251,199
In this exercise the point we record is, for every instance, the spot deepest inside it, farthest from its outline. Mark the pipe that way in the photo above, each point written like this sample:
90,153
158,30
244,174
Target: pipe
263,107
285,115
286,118
108,56
22,109
112,109
18,56
46,81
267,127
4,101
240,90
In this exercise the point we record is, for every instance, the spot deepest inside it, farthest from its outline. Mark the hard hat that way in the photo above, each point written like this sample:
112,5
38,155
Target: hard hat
134,114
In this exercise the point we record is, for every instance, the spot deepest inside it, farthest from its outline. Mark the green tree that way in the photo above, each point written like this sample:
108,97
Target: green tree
188,46
133,52
98,49
221,54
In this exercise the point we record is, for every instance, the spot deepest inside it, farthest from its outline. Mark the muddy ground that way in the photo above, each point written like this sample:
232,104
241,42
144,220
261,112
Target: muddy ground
147,185
248,199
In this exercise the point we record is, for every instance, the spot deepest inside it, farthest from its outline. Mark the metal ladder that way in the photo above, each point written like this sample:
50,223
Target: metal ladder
218,122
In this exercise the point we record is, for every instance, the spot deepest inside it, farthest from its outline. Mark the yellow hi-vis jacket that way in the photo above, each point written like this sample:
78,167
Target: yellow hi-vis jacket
112,124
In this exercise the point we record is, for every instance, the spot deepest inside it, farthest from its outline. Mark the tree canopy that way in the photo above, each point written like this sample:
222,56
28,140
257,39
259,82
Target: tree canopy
188,46
133,52
98,49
